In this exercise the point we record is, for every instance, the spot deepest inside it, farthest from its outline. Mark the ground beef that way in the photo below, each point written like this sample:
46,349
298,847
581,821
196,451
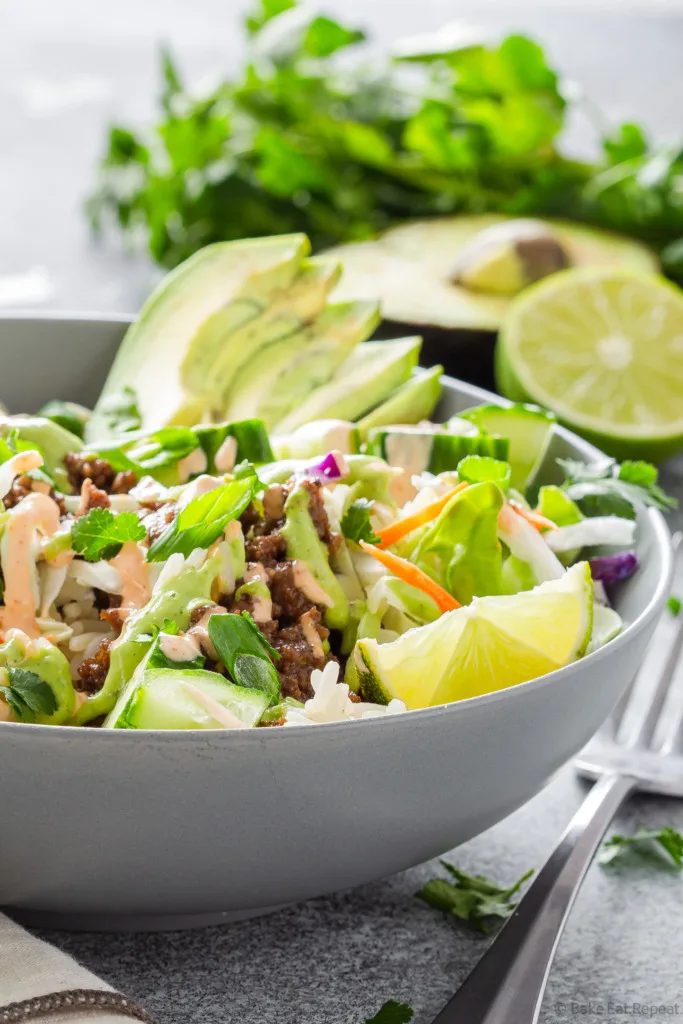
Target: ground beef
266,549
267,725
93,671
250,517
81,467
25,485
156,519
116,617
92,497
316,508
297,658
124,482
289,602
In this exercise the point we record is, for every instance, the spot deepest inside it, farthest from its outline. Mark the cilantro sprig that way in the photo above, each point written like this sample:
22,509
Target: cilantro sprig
204,518
356,525
28,695
272,149
663,844
610,488
471,898
392,1013
100,534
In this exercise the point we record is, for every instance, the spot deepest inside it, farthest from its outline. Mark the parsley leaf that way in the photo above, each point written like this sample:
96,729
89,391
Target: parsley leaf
674,605
204,519
100,534
245,652
392,1013
28,695
355,524
607,488
472,898
666,844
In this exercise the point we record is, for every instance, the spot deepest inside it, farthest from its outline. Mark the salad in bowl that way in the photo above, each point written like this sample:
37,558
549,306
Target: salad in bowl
261,524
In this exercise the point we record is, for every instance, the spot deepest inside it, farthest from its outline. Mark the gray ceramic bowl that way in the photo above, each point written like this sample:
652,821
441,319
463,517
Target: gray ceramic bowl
135,829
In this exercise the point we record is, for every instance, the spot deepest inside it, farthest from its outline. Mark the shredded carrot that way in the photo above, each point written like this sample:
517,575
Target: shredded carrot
402,527
535,518
410,573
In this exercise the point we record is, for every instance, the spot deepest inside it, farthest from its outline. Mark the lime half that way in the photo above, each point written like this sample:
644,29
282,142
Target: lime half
491,644
604,350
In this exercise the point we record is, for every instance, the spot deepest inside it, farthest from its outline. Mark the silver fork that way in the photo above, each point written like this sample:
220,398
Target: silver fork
637,749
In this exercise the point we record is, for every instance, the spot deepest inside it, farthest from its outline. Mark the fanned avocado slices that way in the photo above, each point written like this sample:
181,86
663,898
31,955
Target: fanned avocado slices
434,273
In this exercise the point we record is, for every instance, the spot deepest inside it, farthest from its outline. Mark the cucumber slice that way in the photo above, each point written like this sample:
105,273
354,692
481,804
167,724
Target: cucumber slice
167,699
417,449
318,438
528,429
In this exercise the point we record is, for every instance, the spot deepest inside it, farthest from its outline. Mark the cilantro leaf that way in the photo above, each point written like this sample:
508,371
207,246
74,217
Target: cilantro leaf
604,488
245,652
28,695
121,412
392,1013
100,534
666,844
204,519
472,898
674,605
355,524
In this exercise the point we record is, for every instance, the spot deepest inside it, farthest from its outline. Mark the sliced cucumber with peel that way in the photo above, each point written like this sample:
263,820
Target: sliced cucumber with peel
182,699
528,429
420,449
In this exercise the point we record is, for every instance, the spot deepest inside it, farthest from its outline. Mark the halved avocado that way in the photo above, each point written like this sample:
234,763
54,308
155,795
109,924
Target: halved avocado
411,269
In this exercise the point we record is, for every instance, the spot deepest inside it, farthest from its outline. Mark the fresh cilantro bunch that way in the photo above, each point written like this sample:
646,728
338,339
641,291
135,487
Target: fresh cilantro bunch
301,140
610,488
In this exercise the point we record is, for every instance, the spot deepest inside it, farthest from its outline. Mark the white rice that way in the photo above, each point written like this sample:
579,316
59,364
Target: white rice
331,702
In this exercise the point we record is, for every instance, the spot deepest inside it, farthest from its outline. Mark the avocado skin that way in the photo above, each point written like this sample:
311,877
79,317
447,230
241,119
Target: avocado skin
304,543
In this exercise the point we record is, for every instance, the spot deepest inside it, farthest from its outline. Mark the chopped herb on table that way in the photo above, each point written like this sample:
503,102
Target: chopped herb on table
472,898
664,845
392,1013
674,605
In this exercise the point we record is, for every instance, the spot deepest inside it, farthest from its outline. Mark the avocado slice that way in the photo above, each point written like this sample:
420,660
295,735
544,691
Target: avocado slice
371,373
410,268
211,368
282,375
304,543
236,280
411,402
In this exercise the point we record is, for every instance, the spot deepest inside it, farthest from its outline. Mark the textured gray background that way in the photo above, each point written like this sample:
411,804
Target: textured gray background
68,66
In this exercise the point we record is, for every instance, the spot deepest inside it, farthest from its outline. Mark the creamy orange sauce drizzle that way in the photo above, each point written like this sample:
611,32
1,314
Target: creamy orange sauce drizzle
131,564
308,584
312,636
36,515
200,631
179,648
262,607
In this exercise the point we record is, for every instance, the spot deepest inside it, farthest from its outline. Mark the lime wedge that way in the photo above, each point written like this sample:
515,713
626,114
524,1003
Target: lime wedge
491,644
604,350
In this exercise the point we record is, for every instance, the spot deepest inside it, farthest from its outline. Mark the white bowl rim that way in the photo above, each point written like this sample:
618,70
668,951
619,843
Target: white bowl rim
651,610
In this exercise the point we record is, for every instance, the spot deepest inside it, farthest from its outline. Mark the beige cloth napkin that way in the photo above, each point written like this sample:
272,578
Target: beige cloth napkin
30,968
